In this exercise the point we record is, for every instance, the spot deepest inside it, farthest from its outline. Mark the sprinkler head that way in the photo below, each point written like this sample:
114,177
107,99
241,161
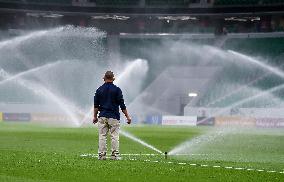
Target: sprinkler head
166,155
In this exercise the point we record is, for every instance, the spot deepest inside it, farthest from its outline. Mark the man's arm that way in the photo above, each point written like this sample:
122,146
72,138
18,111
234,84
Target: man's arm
96,110
96,107
123,107
127,116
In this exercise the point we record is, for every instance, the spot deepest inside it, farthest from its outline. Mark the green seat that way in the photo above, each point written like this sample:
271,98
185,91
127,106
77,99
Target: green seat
10,0
117,2
272,1
236,2
63,2
167,2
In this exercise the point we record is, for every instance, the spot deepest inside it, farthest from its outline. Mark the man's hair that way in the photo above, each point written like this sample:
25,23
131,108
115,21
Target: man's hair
109,75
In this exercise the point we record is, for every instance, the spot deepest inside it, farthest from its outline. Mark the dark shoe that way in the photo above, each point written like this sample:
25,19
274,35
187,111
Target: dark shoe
102,156
115,155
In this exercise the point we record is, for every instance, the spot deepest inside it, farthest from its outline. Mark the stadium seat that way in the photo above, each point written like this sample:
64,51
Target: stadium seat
272,2
246,2
63,2
236,2
117,2
168,2
268,48
10,0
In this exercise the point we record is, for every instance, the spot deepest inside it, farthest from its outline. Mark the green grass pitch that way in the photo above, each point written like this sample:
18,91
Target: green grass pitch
35,153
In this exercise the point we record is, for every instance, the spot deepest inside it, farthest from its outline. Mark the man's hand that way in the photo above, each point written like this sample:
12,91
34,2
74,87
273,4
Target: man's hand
95,120
128,120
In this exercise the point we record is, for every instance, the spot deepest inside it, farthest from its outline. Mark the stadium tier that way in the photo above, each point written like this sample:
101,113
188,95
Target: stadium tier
236,2
251,86
247,2
117,2
59,2
153,3
231,84
242,83
265,47
266,2
63,2
168,2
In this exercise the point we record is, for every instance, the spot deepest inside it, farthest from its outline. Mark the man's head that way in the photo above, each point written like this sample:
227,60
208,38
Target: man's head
109,76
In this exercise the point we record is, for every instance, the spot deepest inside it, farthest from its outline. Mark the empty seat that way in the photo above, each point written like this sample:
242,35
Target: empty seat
117,2
168,2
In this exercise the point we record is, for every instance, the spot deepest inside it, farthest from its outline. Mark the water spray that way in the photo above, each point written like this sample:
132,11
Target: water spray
132,137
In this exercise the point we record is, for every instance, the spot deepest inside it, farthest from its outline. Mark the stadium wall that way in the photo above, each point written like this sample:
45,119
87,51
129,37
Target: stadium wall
166,120
16,117
242,112
179,120
246,117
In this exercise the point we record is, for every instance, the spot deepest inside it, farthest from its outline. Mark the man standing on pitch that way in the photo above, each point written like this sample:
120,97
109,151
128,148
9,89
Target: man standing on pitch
108,98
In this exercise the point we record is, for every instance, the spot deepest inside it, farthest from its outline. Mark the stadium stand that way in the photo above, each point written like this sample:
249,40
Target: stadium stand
172,3
253,87
11,1
167,2
247,2
60,2
161,3
10,94
63,2
239,84
265,2
236,2
117,2
266,47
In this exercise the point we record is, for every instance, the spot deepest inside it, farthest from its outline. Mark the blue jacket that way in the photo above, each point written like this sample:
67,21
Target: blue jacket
107,99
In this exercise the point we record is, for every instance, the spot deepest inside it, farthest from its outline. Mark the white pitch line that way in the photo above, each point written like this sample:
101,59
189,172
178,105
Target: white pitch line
205,165
229,167
85,155
141,154
239,168
250,169
149,154
190,154
182,163
216,166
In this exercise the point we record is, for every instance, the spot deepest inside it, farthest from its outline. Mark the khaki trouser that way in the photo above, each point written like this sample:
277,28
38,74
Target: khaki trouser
108,125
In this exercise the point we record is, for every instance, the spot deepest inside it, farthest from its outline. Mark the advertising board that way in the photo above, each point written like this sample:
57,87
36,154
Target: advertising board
179,120
270,122
16,116
234,121
153,119
204,121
